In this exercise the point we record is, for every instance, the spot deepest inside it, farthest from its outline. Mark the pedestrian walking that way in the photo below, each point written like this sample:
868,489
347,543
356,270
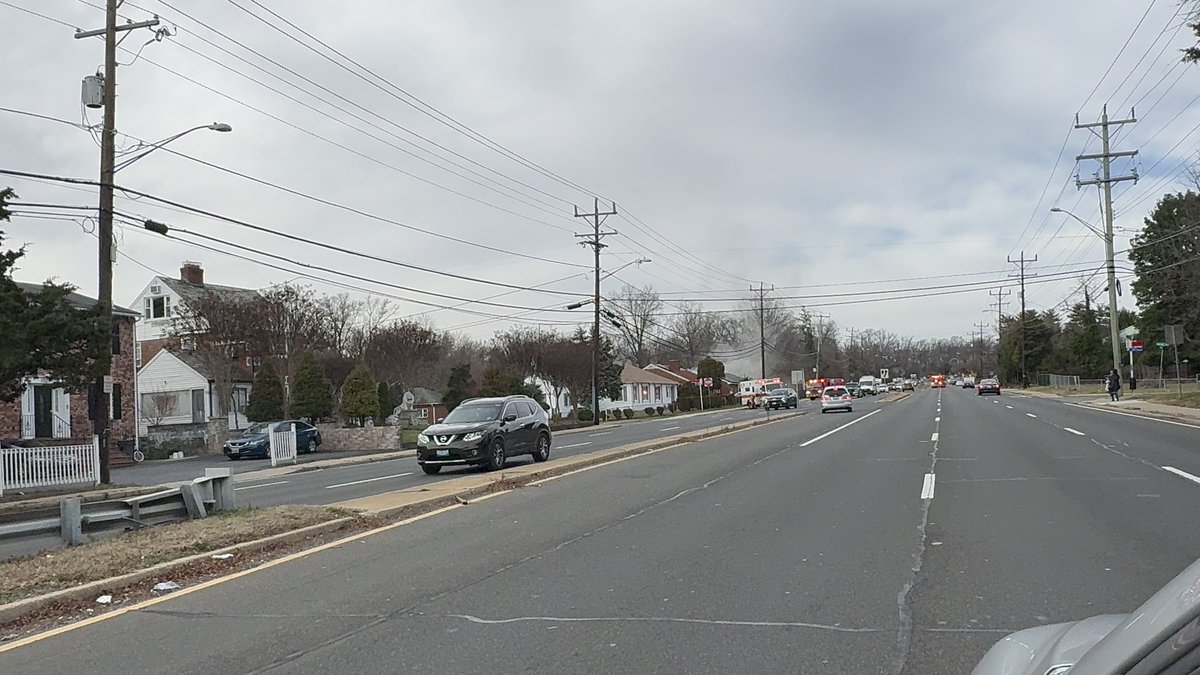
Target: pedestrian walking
1113,384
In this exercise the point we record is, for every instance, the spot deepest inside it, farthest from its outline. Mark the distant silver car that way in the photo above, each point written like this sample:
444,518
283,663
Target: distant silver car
1160,637
836,398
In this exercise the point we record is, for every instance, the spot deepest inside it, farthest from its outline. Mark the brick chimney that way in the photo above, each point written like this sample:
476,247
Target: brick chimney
192,273
674,366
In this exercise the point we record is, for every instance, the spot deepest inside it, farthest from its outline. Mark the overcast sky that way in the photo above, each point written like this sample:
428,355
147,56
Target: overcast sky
797,144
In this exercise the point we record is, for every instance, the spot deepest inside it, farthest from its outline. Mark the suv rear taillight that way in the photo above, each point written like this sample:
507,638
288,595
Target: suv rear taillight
824,398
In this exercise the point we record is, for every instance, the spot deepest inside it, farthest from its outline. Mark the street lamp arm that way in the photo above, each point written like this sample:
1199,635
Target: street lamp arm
1083,222
215,126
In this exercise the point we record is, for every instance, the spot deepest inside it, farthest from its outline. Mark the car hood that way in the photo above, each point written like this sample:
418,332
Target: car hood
449,429
1037,650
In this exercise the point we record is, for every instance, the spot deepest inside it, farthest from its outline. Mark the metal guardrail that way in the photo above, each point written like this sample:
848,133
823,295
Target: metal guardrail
74,520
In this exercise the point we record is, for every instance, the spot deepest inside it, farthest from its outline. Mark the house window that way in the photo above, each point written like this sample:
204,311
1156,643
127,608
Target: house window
423,414
658,393
114,402
645,396
158,307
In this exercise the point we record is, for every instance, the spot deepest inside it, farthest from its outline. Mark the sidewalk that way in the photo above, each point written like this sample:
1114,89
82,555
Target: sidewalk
1148,409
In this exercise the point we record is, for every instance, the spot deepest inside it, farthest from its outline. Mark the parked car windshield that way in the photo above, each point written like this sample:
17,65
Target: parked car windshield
480,412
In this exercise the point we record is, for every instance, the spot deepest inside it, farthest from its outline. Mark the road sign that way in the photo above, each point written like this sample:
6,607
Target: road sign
1136,346
1160,345
708,381
108,384
883,373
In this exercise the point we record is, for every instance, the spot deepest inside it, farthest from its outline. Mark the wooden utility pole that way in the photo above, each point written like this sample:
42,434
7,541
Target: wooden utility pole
595,240
762,327
100,404
1021,319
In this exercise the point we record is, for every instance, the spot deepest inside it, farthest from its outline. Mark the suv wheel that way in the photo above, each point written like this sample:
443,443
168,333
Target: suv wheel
542,452
431,469
496,456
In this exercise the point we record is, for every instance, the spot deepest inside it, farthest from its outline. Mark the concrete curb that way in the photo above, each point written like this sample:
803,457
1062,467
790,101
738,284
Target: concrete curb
15,610
412,501
322,464
1142,412
640,420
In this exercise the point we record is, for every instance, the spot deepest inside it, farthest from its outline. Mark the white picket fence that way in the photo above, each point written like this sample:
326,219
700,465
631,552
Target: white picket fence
283,446
50,466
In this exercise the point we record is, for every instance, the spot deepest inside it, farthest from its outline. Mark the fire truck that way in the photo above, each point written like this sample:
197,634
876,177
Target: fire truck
753,393
813,388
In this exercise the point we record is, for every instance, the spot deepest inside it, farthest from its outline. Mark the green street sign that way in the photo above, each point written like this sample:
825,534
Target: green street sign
1160,344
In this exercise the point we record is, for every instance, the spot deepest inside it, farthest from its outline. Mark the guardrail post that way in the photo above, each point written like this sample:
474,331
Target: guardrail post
193,499
70,513
222,487
96,459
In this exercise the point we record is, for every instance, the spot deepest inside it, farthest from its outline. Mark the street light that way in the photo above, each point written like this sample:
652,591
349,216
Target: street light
1113,334
215,126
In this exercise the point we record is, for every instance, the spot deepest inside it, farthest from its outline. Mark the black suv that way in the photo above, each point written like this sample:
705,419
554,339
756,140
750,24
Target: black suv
485,432
782,398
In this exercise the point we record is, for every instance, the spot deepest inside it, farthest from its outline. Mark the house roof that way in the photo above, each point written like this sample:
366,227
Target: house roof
190,292
684,376
631,374
78,300
423,396
240,372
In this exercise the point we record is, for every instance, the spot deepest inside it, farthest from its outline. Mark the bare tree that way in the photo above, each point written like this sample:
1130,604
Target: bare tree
161,406
214,329
340,315
637,309
698,332
405,353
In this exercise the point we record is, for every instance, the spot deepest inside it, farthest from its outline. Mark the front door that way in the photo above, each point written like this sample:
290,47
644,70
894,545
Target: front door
197,406
43,411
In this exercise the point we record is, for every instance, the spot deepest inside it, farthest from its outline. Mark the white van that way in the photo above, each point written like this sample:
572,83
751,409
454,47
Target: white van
868,384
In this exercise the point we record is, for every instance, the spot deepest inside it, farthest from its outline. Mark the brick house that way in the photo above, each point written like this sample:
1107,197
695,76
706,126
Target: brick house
49,413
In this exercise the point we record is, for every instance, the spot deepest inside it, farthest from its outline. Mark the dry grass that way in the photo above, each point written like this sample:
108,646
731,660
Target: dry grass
1169,396
63,568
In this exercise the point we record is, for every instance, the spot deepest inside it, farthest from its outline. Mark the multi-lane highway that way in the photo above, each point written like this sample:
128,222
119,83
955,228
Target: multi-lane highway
903,537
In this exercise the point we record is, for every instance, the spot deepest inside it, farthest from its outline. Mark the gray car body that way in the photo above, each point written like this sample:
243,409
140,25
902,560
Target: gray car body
1108,644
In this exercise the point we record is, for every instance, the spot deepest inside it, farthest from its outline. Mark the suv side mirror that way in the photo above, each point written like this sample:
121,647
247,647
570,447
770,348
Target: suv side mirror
510,418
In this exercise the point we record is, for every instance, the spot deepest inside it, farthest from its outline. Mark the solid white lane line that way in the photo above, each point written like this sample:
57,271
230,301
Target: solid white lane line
1182,474
1009,407
1030,415
934,437
809,442
1141,417
574,445
368,480
669,428
1077,433
927,486
602,433
251,487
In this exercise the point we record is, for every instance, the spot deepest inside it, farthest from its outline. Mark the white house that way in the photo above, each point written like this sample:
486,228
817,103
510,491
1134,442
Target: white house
162,300
176,389
641,389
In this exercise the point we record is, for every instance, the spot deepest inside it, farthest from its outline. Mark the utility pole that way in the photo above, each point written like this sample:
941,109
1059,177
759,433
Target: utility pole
820,329
981,326
595,240
999,303
1021,319
1105,180
762,326
101,407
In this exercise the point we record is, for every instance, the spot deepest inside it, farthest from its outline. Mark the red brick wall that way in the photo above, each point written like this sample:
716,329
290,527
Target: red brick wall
123,374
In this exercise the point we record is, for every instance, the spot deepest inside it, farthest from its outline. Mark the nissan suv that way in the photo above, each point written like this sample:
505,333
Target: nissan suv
485,432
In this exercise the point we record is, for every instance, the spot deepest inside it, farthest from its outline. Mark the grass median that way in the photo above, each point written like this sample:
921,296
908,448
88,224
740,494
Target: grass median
64,568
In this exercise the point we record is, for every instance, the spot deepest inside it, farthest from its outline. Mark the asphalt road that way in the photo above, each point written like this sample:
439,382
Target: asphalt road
815,545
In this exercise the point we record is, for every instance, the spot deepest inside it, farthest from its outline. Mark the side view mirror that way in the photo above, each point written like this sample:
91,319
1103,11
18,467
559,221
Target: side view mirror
441,419
510,418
